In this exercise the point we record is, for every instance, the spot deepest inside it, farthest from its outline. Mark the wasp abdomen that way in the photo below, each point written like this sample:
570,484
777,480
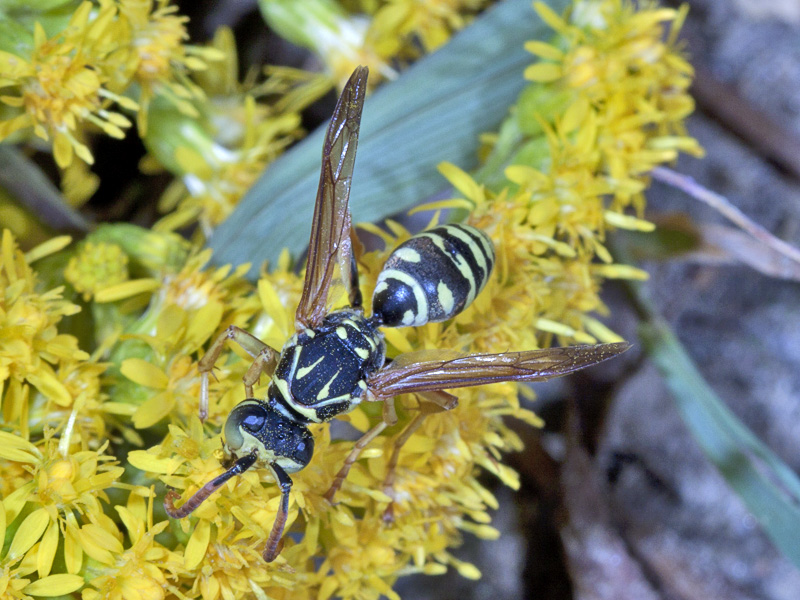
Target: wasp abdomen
433,276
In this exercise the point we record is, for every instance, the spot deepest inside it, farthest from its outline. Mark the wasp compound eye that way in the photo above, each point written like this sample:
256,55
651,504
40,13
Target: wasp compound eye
254,422
248,418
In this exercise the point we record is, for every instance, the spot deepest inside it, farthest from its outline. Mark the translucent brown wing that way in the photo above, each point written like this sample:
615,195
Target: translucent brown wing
331,224
429,370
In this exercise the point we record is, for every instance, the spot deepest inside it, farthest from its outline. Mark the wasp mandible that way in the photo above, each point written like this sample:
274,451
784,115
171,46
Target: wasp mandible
337,359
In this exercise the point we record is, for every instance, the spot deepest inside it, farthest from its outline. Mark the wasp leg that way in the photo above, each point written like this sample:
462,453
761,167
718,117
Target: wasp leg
389,418
354,291
265,360
273,547
239,467
435,402
348,264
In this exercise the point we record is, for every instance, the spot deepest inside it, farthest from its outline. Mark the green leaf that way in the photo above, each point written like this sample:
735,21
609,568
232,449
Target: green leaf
23,179
767,486
434,112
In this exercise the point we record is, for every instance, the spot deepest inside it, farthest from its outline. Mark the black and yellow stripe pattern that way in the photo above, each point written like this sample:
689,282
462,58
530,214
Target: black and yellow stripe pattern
433,276
323,372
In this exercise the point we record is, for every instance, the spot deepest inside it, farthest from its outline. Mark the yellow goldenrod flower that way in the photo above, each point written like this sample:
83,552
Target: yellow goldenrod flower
78,183
157,356
30,344
244,127
63,491
141,571
342,41
162,61
96,266
400,27
61,86
627,81
378,37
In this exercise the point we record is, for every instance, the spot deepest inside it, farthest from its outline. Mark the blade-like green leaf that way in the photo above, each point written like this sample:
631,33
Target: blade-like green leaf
434,112
768,487
29,186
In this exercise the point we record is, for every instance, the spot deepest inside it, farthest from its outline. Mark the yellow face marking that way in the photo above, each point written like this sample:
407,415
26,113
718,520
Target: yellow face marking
419,294
309,332
288,465
341,332
445,296
323,393
303,371
362,384
362,353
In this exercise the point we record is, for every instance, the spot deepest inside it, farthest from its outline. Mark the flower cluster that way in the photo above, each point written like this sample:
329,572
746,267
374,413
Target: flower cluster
62,81
241,128
91,440
376,35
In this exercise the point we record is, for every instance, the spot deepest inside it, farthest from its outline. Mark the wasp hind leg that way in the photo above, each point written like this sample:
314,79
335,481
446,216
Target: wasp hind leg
389,418
265,359
435,402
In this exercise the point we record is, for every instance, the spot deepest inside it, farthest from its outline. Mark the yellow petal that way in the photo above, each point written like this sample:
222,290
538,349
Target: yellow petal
18,449
467,570
544,72
153,410
142,372
62,150
55,585
461,180
627,222
544,50
47,383
73,553
273,306
397,339
47,248
28,533
620,272
47,550
145,461
2,521
197,545
98,543
126,290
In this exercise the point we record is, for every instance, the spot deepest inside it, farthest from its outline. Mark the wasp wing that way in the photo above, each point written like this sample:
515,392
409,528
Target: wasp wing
431,370
330,229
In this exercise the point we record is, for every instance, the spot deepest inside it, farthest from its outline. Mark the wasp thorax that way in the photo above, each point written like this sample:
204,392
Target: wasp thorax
256,427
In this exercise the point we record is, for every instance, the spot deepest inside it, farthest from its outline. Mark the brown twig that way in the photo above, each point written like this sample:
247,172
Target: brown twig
725,208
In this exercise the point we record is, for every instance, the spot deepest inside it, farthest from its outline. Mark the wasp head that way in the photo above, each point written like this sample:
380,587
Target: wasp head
255,427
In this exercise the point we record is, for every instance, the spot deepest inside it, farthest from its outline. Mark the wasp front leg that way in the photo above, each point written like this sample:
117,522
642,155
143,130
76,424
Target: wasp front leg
264,360
273,545
389,418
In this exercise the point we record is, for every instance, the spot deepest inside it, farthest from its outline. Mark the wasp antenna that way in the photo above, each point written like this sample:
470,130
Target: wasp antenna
239,467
